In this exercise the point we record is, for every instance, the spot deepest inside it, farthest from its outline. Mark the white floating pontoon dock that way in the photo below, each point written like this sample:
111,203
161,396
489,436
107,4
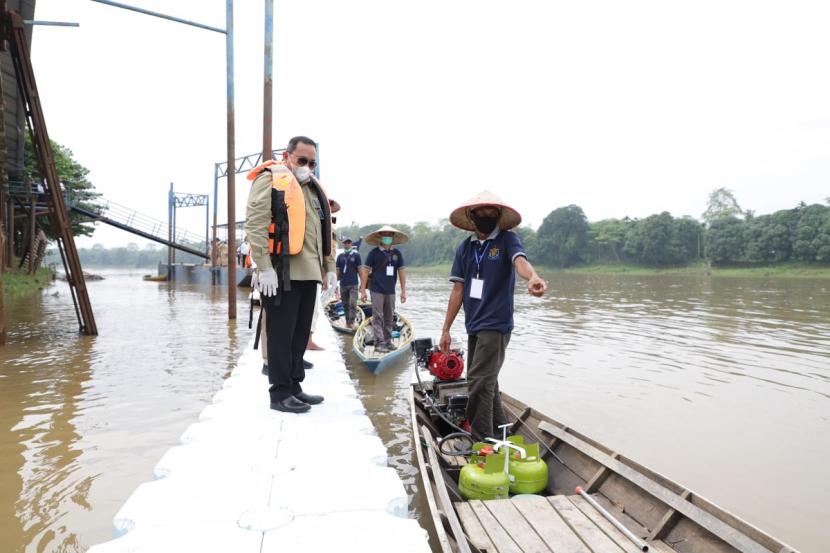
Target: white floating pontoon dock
248,479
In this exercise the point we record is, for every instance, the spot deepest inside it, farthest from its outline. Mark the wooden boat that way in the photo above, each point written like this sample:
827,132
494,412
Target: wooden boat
337,318
363,341
667,517
155,278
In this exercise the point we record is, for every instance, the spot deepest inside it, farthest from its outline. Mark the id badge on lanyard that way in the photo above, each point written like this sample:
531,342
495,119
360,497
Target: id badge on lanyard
477,284
390,269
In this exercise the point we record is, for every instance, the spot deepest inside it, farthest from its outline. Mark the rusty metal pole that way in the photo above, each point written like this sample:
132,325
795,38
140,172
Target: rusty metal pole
10,237
32,230
268,88
231,164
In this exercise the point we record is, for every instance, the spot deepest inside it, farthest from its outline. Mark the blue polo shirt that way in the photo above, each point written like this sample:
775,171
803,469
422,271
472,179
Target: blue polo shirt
348,264
377,261
492,260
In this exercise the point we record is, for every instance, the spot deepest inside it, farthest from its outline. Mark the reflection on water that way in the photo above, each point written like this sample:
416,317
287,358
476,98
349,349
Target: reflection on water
721,384
84,419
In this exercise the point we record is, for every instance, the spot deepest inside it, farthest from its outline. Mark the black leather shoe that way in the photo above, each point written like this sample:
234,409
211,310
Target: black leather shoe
307,365
291,405
265,369
309,399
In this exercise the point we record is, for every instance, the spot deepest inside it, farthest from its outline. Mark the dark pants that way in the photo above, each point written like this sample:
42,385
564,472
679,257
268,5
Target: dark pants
348,295
287,327
383,314
485,356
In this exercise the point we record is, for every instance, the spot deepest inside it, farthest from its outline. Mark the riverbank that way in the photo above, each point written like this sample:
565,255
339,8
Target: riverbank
17,283
784,270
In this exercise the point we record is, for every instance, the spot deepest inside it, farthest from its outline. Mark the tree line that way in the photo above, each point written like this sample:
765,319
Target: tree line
727,235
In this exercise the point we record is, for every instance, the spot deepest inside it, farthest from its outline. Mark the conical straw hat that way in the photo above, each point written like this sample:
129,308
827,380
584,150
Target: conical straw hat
397,238
460,217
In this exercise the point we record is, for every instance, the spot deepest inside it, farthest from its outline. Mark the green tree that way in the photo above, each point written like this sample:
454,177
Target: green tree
725,240
807,237
562,238
78,189
607,239
721,205
661,240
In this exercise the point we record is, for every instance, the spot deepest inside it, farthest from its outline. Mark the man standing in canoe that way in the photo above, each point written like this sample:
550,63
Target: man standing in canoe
384,266
348,264
484,276
288,223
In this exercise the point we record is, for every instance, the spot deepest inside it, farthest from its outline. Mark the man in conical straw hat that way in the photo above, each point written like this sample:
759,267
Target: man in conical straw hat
484,276
384,266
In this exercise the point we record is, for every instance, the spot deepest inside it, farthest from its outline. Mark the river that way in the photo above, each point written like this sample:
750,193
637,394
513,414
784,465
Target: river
722,384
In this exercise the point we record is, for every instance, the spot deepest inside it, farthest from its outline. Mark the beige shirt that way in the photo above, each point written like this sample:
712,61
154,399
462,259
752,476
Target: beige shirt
309,264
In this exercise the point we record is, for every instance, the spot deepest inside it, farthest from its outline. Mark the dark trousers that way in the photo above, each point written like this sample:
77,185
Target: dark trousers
485,356
348,294
287,327
383,315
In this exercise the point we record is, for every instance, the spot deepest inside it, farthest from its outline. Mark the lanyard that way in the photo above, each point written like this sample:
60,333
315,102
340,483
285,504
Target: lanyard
479,256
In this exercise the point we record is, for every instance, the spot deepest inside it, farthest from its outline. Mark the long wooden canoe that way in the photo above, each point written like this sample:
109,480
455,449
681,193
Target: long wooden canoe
668,517
334,313
365,351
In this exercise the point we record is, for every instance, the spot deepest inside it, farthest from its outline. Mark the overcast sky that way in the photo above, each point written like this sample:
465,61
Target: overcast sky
623,108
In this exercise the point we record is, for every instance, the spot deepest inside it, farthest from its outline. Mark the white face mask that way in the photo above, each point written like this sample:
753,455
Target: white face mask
303,173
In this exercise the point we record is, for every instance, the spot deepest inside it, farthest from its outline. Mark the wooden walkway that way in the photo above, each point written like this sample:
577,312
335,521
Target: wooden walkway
557,524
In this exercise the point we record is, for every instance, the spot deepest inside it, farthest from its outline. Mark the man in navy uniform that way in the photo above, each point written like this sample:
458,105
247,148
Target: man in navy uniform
348,263
484,276
384,266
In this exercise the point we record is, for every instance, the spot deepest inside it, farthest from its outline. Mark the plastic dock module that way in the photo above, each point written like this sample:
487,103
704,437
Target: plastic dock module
248,479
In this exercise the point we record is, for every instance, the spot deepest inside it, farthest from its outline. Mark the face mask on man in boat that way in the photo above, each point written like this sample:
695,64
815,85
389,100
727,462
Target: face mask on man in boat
386,240
485,225
348,250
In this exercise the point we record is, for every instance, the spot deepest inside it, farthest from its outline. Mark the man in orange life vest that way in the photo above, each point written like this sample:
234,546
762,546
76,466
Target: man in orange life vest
288,223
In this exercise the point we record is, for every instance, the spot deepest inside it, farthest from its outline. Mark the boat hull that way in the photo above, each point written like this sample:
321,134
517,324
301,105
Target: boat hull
655,509
378,363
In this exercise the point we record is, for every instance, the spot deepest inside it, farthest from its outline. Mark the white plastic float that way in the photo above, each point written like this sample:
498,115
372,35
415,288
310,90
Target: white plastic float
247,479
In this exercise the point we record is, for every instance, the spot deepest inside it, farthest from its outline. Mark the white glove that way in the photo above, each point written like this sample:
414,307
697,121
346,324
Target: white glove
268,282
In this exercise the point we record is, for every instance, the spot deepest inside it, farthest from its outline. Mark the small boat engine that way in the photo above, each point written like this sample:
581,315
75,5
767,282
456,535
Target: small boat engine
448,390
443,366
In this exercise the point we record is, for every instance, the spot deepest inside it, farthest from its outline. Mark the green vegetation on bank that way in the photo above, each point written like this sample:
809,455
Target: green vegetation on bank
17,283
732,241
782,270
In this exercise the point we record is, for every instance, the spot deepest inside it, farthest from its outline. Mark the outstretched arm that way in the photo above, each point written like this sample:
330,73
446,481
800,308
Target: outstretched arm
453,307
535,285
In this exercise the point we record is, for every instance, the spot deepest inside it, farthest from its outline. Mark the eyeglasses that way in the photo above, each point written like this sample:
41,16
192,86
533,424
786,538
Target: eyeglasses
303,161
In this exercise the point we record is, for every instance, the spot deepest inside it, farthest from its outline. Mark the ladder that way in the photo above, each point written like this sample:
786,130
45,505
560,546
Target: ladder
12,30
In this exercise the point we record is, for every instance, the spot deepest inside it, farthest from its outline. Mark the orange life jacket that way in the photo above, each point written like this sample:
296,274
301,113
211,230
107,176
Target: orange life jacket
283,180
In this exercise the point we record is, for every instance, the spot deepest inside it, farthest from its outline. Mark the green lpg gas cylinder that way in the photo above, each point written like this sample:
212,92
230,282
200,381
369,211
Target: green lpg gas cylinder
528,475
483,477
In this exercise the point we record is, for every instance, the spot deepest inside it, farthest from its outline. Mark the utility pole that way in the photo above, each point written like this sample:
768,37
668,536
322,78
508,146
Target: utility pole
268,88
231,161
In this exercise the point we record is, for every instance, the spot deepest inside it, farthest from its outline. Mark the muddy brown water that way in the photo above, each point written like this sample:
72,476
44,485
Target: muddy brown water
721,384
